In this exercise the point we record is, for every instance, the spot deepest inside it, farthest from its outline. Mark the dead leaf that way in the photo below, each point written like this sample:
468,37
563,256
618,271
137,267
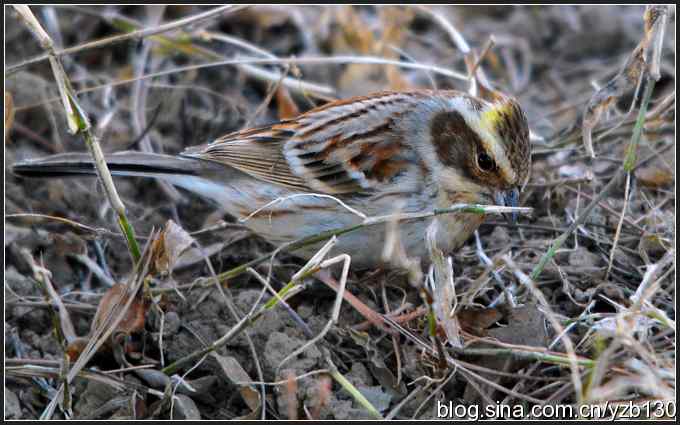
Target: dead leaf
285,104
169,246
645,57
624,82
444,297
135,316
195,255
478,320
236,375
185,408
654,177
355,36
75,347
395,19
133,322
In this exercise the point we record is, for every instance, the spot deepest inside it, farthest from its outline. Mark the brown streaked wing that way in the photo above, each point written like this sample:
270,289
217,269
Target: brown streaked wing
257,152
352,145
347,146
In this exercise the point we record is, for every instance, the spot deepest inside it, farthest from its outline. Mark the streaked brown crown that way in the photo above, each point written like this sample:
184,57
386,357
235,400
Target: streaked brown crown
513,131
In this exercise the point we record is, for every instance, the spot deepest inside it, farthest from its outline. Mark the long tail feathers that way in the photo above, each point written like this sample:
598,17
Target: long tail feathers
128,163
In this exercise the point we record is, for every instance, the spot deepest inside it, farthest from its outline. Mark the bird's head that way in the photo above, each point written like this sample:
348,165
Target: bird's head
482,149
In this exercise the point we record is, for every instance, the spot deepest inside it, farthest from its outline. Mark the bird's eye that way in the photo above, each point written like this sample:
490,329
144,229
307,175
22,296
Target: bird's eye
485,162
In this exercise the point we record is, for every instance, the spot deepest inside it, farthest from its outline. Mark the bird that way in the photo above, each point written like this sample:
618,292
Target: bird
408,151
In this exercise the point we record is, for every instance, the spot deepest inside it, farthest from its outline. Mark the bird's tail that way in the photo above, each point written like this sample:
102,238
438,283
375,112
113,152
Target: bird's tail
127,163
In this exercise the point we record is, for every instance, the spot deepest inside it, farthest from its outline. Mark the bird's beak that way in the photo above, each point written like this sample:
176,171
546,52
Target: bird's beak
508,198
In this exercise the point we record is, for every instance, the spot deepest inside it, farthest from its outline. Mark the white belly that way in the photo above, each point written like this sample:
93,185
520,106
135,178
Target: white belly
295,217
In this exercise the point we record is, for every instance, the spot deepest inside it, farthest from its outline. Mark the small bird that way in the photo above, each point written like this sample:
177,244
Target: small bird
412,151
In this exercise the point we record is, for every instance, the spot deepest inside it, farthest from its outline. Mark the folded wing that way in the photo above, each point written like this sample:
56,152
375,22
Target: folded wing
346,146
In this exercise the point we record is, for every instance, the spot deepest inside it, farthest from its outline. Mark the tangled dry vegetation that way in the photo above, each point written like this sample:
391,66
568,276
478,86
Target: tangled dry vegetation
575,305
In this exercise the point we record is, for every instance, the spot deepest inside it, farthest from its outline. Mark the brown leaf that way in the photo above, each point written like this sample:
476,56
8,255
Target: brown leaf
478,320
133,321
645,57
355,36
285,104
168,247
654,177
135,316
75,347
395,19
236,375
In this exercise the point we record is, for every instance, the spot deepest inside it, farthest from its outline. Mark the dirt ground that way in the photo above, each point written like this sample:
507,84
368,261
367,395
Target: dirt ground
595,323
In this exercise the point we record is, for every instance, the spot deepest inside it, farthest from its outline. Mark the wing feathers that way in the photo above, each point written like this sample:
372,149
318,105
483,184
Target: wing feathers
257,152
343,147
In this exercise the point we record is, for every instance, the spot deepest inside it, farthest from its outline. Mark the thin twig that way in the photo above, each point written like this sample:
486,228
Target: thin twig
617,234
133,35
304,60
629,164
79,123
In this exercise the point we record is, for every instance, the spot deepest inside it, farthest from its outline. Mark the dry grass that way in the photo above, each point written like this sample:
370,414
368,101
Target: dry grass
574,306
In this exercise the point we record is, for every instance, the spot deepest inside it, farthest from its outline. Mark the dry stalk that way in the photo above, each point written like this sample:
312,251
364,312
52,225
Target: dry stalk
78,122
133,35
